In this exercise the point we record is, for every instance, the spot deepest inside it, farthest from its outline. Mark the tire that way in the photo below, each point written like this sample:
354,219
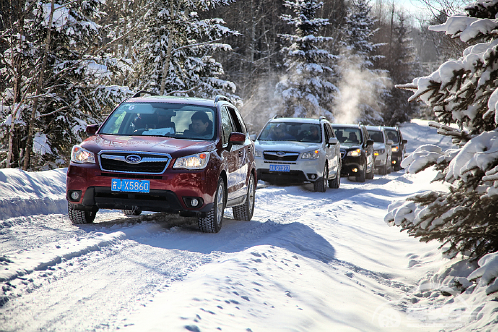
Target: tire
370,175
79,216
336,183
246,210
320,185
361,176
134,212
383,169
212,222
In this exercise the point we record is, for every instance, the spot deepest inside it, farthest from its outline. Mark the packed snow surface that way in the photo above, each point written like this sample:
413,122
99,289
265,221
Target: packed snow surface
306,261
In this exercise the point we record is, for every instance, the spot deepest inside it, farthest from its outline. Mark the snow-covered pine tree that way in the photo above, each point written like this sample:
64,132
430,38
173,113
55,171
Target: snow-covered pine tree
464,91
58,80
359,77
306,88
175,54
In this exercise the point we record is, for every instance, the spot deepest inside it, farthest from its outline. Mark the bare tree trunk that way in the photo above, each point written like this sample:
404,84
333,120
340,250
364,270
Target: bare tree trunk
39,87
168,50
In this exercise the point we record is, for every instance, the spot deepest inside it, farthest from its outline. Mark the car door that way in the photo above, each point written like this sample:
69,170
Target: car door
369,150
236,154
332,150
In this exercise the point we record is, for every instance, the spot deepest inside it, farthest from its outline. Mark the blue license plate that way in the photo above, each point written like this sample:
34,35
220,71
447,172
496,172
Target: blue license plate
130,186
279,168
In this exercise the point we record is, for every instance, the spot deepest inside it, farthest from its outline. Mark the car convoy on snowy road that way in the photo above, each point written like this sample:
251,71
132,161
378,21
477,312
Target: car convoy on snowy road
194,157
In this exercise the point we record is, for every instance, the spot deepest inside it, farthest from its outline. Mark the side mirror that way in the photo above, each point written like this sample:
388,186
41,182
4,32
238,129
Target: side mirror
390,142
404,141
333,141
236,138
91,129
370,142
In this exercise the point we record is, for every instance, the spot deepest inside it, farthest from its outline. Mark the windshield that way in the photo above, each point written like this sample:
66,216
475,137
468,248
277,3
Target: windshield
291,131
376,135
392,135
161,119
348,136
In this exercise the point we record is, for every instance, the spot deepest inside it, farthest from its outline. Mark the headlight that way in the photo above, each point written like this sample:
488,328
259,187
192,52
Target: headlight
82,156
395,148
354,153
258,153
195,161
380,151
311,155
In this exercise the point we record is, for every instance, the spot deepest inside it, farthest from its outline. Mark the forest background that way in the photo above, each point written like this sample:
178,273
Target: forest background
66,63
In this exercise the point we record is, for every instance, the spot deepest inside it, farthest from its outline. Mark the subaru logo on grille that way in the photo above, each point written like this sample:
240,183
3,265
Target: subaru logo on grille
133,159
280,153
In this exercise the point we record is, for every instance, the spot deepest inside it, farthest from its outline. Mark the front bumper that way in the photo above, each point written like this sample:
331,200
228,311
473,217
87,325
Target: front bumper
351,166
301,170
170,192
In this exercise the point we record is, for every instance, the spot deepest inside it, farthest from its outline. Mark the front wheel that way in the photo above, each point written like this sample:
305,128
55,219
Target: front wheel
80,216
246,210
370,175
361,175
320,185
211,223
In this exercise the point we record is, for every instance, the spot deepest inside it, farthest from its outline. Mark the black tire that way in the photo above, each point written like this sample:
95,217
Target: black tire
383,169
246,210
336,183
361,175
320,185
135,212
212,222
80,217
397,166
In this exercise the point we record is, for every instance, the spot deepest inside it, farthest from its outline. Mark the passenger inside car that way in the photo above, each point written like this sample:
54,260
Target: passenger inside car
353,138
201,126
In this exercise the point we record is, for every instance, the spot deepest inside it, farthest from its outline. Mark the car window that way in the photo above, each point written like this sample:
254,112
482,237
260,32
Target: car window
159,119
291,131
227,125
348,136
392,135
237,120
376,136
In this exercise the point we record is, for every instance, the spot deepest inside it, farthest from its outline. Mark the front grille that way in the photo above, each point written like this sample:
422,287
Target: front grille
150,163
281,155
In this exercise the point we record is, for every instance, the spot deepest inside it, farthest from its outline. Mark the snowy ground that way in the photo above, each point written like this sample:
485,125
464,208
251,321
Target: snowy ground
306,262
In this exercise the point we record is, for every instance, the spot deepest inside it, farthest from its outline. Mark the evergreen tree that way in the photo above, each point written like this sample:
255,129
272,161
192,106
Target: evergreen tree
306,89
176,50
58,80
362,85
464,91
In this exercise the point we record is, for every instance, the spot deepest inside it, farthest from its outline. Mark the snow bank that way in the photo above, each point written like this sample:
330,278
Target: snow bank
30,193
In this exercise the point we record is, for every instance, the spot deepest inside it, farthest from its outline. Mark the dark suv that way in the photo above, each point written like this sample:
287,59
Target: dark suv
398,147
357,152
188,156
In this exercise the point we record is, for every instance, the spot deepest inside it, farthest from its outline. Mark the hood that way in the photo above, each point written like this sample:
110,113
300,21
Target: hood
352,147
378,146
174,146
286,145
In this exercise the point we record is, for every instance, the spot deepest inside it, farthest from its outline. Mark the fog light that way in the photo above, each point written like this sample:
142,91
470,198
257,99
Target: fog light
75,195
194,202
355,170
394,162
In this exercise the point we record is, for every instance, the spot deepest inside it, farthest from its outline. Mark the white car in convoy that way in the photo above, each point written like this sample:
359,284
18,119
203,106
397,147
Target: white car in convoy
299,150
382,149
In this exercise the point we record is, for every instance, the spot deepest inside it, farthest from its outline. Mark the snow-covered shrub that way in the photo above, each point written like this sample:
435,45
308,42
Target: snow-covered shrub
462,91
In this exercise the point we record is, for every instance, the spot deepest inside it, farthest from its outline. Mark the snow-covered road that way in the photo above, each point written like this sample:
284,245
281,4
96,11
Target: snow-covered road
306,262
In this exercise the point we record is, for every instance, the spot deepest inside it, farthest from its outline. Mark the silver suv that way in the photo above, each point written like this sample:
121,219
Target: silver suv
382,148
299,150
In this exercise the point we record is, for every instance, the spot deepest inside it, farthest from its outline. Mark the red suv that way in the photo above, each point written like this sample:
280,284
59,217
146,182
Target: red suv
187,156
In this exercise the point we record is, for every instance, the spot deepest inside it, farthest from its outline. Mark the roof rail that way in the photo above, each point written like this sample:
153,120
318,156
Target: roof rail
220,97
322,117
139,93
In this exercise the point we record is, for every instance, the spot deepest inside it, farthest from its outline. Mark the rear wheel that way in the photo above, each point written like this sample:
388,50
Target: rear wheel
370,175
320,185
211,223
80,216
246,210
336,183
